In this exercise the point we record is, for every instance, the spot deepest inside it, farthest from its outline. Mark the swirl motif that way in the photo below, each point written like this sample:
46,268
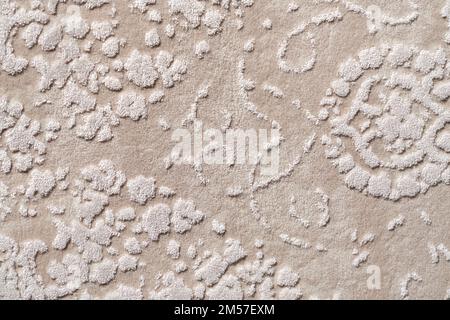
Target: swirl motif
388,116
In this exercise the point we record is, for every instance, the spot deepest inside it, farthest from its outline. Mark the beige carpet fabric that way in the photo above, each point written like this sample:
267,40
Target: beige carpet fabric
224,149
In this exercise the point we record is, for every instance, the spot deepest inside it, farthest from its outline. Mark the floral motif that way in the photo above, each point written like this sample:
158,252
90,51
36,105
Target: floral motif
389,105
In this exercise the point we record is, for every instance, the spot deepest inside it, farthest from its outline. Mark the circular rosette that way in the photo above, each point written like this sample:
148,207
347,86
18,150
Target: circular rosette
390,123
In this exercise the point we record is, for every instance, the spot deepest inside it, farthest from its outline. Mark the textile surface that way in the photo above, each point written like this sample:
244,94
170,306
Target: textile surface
120,178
